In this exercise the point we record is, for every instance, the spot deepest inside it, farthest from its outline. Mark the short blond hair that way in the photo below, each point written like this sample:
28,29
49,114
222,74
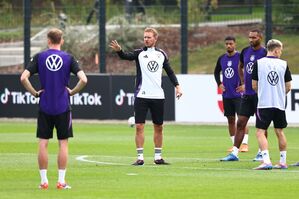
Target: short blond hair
55,35
272,44
153,30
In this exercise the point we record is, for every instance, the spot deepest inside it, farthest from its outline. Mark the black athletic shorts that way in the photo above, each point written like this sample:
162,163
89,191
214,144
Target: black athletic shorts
264,117
156,107
231,106
62,123
248,105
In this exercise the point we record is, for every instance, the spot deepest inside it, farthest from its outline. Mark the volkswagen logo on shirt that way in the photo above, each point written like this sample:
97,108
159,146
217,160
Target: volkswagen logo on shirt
54,62
273,78
249,67
152,66
229,72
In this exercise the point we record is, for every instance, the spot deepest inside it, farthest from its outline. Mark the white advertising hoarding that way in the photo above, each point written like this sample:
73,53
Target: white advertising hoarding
202,103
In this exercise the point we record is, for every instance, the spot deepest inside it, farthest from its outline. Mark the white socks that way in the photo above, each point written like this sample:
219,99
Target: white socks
43,176
266,157
140,153
61,176
283,157
245,139
158,153
235,151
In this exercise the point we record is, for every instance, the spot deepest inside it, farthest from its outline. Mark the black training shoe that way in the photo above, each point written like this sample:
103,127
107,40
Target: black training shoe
138,163
161,161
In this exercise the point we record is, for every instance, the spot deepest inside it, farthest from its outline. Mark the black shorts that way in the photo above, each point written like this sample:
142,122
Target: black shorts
62,123
231,106
264,116
156,107
248,105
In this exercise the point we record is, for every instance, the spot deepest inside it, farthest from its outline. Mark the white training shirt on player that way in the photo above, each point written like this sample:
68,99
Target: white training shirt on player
271,83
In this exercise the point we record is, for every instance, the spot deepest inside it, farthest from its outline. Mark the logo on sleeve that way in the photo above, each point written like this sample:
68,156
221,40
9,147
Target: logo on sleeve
273,78
152,66
54,62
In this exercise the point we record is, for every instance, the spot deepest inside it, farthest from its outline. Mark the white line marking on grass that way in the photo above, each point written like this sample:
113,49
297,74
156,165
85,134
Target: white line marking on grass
83,159
132,174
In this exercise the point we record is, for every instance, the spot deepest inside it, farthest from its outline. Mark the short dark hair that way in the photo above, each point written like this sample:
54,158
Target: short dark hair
258,31
230,38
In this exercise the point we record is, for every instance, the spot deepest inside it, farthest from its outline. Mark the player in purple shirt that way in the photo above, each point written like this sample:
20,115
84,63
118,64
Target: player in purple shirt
248,56
54,68
228,65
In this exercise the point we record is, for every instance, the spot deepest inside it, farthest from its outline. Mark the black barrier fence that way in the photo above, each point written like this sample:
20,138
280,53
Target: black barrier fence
104,97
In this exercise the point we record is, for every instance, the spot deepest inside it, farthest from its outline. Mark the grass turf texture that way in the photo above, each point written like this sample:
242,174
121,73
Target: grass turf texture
192,150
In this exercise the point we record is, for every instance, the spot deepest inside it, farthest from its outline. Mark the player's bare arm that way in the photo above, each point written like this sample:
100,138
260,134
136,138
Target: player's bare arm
115,46
80,85
288,87
241,88
178,91
254,85
28,86
222,87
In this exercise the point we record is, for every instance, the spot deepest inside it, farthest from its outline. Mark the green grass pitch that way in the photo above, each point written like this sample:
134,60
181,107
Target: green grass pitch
109,149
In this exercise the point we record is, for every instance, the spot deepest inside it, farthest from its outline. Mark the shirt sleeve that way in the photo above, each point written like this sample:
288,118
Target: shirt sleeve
217,71
170,72
75,68
32,66
128,55
287,76
254,74
242,56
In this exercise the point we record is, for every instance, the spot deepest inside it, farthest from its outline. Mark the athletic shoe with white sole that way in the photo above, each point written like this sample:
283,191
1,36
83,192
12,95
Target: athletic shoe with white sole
295,164
244,148
258,157
230,157
43,186
160,162
62,186
138,163
280,166
264,166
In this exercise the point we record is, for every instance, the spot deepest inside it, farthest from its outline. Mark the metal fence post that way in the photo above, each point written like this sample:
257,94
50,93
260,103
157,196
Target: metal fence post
102,36
27,20
268,20
184,36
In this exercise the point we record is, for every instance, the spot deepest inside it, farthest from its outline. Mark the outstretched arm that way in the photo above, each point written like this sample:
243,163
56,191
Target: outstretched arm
123,55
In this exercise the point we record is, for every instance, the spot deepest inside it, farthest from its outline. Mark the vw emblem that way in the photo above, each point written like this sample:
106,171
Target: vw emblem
54,62
273,78
229,63
229,72
252,58
152,66
249,67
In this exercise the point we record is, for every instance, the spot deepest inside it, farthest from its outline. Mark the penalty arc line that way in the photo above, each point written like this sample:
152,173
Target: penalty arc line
83,159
